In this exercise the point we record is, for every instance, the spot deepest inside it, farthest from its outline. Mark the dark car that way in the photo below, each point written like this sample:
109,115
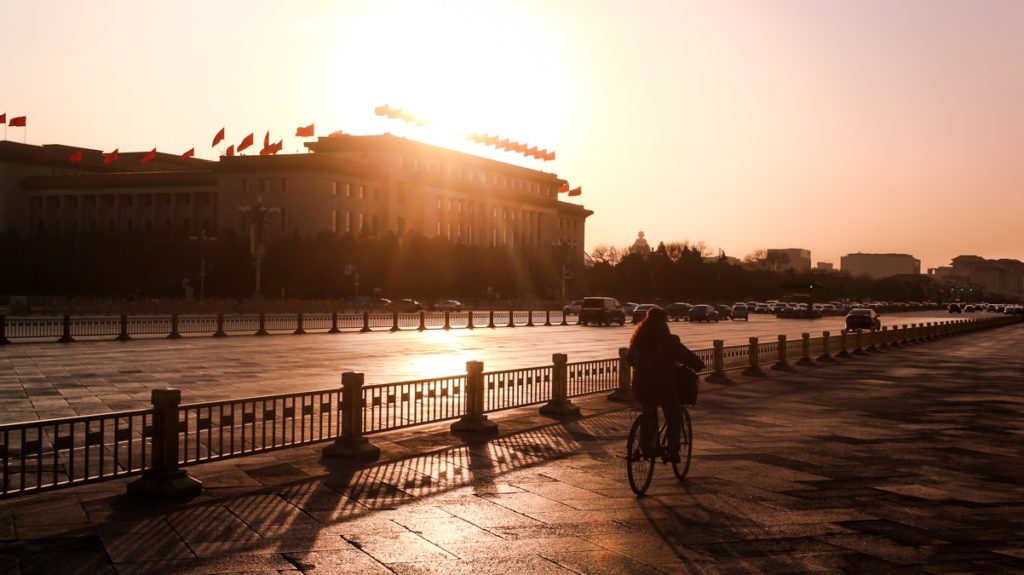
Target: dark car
678,310
955,308
448,305
724,311
640,311
573,307
862,318
404,305
702,312
601,311
741,311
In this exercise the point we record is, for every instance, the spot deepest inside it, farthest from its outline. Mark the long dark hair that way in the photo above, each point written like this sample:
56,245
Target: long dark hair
651,329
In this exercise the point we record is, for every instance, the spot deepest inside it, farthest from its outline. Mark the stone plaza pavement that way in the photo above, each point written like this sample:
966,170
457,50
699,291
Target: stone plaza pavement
906,461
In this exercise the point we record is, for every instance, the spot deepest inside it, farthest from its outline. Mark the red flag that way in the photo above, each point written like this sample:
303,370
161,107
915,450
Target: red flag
218,138
532,152
549,157
576,191
502,144
149,157
337,134
190,153
539,154
75,157
110,158
266,139
246,142
3,118
18,122
563,188
304,131
230,151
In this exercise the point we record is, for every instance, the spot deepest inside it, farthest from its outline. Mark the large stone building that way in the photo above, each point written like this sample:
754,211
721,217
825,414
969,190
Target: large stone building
878,266
369,185
796,259
1002,277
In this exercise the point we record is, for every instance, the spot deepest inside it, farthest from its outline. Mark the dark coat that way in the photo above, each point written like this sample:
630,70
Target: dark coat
654,368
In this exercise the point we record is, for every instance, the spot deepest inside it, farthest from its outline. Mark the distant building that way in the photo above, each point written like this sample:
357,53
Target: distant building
878,266
1003,276
640,247
825,266
795,259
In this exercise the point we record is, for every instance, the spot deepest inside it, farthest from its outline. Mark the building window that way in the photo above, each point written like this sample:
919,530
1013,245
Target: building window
438,231
348,190
362,223
440,203
362,192
334,188
334,221
348,222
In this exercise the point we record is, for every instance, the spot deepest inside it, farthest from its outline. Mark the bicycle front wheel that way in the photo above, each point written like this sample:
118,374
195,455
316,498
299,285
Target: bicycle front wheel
685,447
639,468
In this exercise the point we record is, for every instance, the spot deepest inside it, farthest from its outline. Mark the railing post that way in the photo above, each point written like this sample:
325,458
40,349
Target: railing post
753,357
474,420
220,326
932,336
529,318
123,336
805,350
623,392
298,324
858,343
905,339
366,322
262,328
334,323
490,322
871,340
351,442
783,363
3,330
394,321
511,318
717,374
447,320
469,320
66,330
564,320
884,337
826,347
164,478
175,334
423,321
842,343
560,403
547,318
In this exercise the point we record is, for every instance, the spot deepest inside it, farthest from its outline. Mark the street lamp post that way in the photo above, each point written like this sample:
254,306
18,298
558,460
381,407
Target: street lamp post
203,240
258,224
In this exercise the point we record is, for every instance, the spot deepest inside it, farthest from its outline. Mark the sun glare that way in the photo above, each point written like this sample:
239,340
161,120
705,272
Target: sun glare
461,66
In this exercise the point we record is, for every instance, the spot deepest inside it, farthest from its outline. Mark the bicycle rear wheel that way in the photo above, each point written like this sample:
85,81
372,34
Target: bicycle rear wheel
685,448
639,468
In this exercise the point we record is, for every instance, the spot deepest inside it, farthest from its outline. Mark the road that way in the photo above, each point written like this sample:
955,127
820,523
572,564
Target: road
49,380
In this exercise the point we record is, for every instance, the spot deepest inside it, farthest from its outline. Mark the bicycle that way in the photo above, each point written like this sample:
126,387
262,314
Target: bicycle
640,467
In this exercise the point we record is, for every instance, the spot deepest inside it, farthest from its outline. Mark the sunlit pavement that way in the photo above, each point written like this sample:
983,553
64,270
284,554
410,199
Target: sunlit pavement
50,380
905,461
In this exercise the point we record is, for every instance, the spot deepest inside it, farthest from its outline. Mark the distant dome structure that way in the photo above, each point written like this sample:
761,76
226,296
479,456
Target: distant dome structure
640,246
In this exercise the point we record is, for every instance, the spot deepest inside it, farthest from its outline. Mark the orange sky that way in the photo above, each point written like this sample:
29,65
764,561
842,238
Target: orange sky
872,126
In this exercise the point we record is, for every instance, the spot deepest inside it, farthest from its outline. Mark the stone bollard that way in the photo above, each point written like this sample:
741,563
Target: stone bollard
547,318
351,442
123,336
783,362
905,335
805,350
469,320
717,374
858,345
529,318
623,393
447,320
884,337
262,329
334,323
871,341
511,318
490,322
220,326
423,321
560,404
394,322
298,324
842,344
164,478
366,322
66,329
826,348
174,328
3,330
753,355
474,420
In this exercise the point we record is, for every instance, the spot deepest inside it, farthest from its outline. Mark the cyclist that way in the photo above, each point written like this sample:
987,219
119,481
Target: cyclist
655,353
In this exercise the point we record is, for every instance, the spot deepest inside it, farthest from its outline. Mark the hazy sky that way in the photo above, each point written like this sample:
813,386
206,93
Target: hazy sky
862,125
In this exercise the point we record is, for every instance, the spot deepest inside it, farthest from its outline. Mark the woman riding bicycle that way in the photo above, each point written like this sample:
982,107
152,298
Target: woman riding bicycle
654,353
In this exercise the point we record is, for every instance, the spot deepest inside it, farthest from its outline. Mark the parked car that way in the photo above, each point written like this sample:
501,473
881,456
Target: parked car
404,305
955,308
678,310
640,312
862,318
724,311
601,311
741,311
762,308
702,312
628,307
375,304
969,308
573,307
448,305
